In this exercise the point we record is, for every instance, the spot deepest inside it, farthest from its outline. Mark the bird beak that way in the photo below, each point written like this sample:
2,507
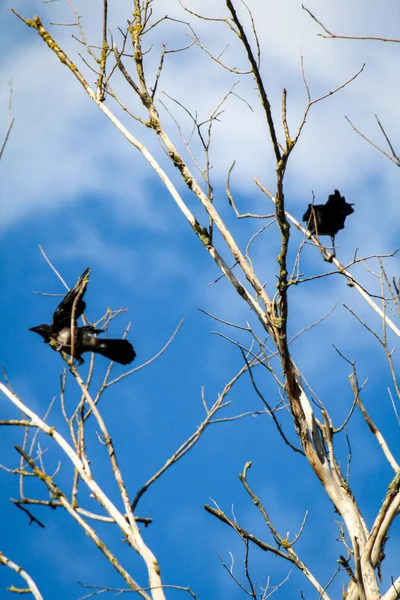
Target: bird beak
35,329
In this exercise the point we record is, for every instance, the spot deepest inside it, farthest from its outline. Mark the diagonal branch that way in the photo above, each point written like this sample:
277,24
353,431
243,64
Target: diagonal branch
129,529
341,269
257,76
57,493
32,587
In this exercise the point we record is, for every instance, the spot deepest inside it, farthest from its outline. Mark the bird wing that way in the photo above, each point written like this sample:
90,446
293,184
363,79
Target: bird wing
307,214
315,217
90,329
63,312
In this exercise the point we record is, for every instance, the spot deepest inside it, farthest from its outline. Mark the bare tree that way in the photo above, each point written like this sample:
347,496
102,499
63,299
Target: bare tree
302,419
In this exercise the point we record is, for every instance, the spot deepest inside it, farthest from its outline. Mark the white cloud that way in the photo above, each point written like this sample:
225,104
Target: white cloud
63,150
60,142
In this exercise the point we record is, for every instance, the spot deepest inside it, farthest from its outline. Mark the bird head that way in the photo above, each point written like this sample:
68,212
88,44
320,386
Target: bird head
348,208
42,330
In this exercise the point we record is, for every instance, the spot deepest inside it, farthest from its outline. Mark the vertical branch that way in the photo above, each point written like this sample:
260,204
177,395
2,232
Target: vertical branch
257,76
10,124
103,57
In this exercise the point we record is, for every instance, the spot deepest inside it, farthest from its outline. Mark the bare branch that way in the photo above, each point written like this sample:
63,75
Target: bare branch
340,267
395,159
331,35
128,527
32,587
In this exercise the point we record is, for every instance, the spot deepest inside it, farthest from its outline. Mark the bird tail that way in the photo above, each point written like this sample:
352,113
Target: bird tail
120,351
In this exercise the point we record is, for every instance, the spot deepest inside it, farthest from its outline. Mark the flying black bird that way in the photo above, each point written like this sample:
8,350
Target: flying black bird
58,334
329,218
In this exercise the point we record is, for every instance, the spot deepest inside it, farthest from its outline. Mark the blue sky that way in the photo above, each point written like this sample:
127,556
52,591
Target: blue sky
72,184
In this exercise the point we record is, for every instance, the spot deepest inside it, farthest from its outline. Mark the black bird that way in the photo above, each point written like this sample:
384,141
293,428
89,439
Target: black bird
329,218
58,334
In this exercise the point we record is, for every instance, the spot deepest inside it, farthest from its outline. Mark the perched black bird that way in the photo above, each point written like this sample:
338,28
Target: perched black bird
58,334
329,218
